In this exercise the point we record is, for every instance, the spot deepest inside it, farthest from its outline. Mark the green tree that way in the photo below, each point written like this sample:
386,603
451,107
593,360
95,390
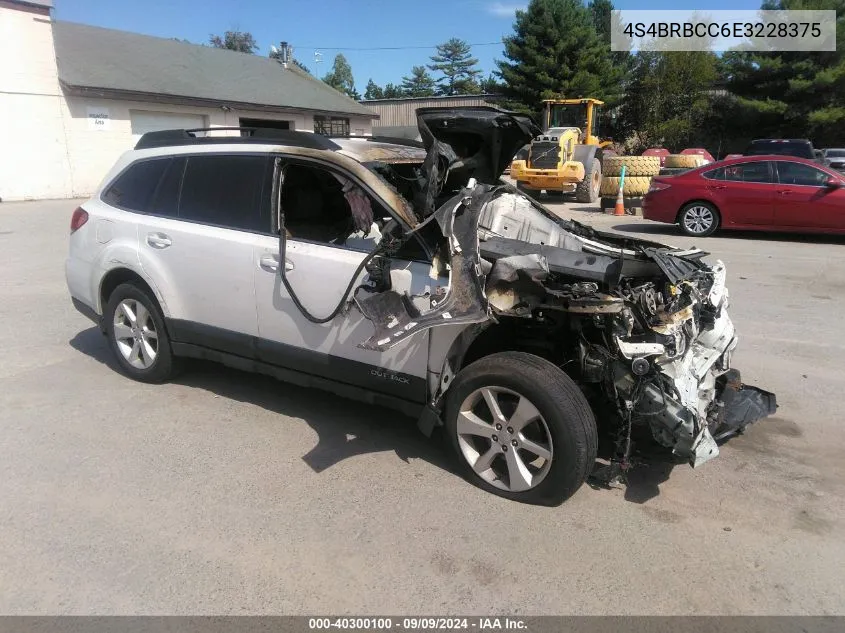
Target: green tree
556,51
789,94
459,68
419,84
669,99
340,77
373,91
240,41
490,85
605,22
393,92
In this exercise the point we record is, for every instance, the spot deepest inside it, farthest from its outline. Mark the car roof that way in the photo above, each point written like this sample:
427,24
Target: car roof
750,159
781,140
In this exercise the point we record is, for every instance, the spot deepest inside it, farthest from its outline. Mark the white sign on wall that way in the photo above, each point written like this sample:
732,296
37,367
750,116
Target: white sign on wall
98,118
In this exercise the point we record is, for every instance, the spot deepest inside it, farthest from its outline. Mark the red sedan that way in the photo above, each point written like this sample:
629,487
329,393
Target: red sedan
763,193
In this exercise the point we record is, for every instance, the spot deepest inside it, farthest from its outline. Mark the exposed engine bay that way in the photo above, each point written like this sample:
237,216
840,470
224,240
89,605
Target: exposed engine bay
638,325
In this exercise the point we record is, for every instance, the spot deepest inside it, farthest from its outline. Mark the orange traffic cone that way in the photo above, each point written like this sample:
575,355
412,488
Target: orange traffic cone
619,209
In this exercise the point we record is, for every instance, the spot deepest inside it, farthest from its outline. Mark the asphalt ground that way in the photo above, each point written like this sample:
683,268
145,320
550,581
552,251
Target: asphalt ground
229,493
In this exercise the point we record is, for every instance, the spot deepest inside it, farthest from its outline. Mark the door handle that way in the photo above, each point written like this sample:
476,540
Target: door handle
269,262
718,186
785,192
158,240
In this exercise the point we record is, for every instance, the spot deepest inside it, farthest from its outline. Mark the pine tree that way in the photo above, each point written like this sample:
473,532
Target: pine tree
458,67
490,85
373,91
419,84
555,51
790,94
340,77
393,92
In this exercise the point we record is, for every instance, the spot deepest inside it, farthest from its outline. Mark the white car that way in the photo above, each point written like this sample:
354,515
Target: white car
408,275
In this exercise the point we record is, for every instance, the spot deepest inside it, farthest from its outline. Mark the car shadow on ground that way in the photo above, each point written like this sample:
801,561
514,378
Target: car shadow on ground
344,428
672,230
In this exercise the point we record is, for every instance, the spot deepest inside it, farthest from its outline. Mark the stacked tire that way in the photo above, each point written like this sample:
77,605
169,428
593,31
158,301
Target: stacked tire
638,173
685,161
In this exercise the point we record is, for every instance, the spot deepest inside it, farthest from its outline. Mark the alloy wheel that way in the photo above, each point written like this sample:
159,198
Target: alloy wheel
135,334
698,219
504,439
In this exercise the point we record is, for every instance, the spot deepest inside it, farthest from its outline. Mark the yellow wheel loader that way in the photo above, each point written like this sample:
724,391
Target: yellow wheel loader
567,156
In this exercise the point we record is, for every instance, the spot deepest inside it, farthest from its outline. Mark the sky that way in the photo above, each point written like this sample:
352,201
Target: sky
330,25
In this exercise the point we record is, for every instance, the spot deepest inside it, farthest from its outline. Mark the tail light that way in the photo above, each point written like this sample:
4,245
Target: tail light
658,186
79,217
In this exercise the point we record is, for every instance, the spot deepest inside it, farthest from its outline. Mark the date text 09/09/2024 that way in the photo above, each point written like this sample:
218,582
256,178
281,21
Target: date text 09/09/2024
417,624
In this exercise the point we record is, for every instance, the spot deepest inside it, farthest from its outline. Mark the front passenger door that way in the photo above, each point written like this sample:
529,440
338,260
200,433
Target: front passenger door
803,198
320,263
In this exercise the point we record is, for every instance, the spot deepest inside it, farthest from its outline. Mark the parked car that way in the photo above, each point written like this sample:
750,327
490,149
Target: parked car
698,151
798,147
657,151
762,193
834,158
413,277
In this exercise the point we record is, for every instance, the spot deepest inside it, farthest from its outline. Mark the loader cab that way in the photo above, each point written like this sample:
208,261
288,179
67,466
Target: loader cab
580,113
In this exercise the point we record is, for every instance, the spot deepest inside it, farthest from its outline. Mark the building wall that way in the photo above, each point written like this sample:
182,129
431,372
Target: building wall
33,158
54,145
403,112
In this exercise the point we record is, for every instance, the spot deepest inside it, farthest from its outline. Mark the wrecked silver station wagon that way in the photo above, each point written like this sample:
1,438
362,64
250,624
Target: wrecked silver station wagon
408,274
634,330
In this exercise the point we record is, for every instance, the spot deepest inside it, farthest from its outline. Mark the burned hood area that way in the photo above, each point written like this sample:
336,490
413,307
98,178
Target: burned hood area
643,328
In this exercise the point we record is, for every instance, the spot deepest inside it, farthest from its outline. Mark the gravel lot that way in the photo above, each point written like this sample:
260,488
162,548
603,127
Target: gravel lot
227,493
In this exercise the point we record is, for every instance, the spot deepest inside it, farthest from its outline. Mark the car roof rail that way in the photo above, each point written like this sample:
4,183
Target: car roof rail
168,138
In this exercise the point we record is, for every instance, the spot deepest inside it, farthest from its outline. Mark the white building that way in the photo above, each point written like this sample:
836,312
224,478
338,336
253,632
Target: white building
74,97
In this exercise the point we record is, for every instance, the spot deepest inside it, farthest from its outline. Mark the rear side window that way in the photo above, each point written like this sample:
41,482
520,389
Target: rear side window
714,174
135,187
226,191
748,172
166,199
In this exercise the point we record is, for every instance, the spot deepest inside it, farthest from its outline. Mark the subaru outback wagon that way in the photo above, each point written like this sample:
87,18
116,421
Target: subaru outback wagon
409,275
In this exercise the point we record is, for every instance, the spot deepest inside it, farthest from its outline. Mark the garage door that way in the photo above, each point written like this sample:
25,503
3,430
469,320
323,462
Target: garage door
143,122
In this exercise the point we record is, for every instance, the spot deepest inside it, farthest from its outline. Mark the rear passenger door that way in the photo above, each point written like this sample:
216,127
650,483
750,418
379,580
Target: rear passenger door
744,192
196,241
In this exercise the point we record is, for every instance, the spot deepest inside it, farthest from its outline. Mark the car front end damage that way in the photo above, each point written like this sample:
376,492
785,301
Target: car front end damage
643,328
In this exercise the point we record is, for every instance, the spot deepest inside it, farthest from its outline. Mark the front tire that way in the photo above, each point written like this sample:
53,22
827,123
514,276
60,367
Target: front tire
137,335
521,428
699,219
588,189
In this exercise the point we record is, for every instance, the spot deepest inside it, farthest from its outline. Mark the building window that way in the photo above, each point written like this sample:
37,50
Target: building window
331,126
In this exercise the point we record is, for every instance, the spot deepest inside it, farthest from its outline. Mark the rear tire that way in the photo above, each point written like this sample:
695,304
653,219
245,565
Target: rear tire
137,336
588,189
699,219
545,443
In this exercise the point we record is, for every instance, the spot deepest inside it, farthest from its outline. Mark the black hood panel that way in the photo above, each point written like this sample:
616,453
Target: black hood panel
482,139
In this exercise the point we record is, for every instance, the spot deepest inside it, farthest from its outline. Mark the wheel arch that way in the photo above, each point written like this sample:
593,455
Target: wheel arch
476,342
120,275
585,153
